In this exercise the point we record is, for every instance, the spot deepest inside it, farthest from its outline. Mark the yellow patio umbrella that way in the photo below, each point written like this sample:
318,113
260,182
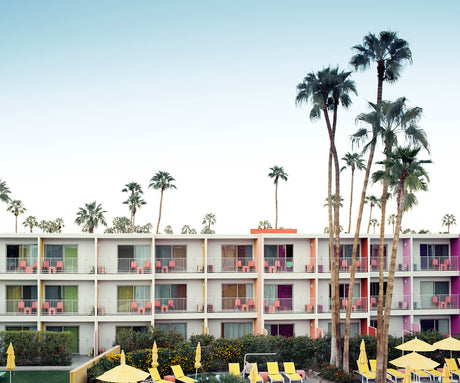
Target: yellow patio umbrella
10,364
415,345
450,344
123,373
407,377
445,374
362,359
417,362
197,359
154,358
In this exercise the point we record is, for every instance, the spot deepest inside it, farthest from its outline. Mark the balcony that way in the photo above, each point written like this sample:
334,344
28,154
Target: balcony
65,307
146,307
398,302
438,264
436,302
231,265
275,305
168,265
21,307
344,265
277,265
56,265
15,265
124,266
231,304
359,304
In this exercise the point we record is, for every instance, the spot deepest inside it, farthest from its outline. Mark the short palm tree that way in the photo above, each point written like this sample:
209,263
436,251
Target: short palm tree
91,216
161,181
372,200
169,229
374,223
277,173
187,229
392,221
4,192
30,222
353,161
16,207
264,225
448,220
134,200
208,220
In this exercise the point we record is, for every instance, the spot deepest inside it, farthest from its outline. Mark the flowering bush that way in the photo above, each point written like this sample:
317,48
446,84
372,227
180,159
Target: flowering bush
335,374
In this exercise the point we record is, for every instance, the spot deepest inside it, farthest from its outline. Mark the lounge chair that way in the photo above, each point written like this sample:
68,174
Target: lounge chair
273,373
290,373
258,377
234,369
434,373
179,375
364,373
392,374
452,366
421,375
156,376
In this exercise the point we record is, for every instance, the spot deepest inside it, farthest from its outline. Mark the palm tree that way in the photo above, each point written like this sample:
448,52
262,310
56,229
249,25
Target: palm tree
327,90
91,216
119,225
353,161
134,200
405,173
388,51
187,229
16,207
448,220
264,225
4,192
277,172
374,223
57,225
392,221
30,222
333,198
169,229
372,200
162,181
208,220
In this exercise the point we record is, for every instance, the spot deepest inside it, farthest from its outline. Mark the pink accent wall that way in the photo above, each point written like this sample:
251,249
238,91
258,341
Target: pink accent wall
406,252
455,285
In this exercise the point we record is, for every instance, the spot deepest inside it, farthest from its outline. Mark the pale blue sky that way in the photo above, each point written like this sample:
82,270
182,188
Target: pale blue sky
95,94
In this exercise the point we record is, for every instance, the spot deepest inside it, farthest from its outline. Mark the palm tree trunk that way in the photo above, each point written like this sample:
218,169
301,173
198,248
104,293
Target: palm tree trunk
276,205
159,213
371,205
16,225
351,200
380,77
346,342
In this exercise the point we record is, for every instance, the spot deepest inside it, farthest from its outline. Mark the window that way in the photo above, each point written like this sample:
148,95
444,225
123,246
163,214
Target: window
373,323
21,328
180,328
67,254
14,294
66,294
429,253
375,251
236,330
277,297
374,289
346,251
429,291
129,253
233,253
129,294
231,292
354,328
278,256
286,330
175,253
17,253
175,293
441,325
343,291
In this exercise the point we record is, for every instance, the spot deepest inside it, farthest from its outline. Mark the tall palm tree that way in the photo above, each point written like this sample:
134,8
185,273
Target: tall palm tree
91,216
353,161
4,192
16,207
134,200
30,222
374,223
208,220
388,51
327,89
392,221
448,220
372,200
404,173
277,173
161,181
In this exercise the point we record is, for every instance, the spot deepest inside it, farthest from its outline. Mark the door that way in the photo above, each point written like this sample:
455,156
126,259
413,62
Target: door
75,337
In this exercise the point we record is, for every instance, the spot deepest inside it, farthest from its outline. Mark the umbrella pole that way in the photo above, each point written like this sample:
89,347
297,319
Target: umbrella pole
196,372
10,376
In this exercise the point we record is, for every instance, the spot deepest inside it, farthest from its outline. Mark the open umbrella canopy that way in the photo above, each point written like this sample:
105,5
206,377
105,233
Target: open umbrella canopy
415,345
362,359
449,343
123,373
416,361
407,377
10,364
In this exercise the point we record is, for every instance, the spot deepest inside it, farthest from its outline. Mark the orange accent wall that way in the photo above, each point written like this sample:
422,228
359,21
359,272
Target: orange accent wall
274,231
313,251
313,292
312,329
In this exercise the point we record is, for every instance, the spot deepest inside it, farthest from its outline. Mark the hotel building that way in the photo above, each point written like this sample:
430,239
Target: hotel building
268,281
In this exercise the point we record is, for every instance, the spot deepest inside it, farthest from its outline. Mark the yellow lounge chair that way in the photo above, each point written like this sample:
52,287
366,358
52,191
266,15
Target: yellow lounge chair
234,369
290,373
435,373
258,377
392,374
179,375
156,376
273,373
364,373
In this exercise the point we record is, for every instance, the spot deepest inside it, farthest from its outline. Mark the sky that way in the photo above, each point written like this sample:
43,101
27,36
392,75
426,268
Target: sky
96,94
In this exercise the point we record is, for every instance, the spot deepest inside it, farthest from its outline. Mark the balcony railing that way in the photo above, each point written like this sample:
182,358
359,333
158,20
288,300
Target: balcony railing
59,265
436,301
438,263
62,307
168,265
359,304
21,307
231,265
231,304
276,265
344,265
274,305
398,302
148,306
16,265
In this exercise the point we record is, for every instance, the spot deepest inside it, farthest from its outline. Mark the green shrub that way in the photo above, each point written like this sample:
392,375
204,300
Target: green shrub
335,374
130,340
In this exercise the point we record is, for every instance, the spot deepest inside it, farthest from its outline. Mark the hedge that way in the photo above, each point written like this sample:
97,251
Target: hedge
37,348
